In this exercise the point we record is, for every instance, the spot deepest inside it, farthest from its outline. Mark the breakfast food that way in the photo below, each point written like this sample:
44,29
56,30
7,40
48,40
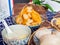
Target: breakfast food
19,36
28,16
56,22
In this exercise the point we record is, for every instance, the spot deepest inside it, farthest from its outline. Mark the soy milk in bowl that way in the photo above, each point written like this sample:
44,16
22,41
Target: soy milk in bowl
20,35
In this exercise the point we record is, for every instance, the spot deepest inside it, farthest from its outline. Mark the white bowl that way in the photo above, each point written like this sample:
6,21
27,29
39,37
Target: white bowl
15,41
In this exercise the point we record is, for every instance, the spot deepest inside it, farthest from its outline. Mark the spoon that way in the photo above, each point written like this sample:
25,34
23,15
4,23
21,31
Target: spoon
7,27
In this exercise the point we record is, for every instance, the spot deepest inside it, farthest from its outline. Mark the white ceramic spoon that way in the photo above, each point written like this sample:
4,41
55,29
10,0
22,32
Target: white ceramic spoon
7,28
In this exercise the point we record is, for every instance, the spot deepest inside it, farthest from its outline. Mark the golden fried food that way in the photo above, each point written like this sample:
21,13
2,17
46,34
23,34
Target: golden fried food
36,16
56,21
28,16
19,19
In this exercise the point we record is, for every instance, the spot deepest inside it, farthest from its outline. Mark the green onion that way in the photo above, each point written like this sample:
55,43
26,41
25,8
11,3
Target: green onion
49,7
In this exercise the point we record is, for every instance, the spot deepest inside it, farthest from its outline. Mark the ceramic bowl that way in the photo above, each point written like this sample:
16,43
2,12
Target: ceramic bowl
17,41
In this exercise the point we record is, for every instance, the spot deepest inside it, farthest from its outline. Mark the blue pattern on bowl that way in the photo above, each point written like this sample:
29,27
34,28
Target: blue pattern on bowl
18,42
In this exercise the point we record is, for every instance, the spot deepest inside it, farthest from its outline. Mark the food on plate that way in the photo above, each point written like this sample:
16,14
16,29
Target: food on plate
56,22
28,16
